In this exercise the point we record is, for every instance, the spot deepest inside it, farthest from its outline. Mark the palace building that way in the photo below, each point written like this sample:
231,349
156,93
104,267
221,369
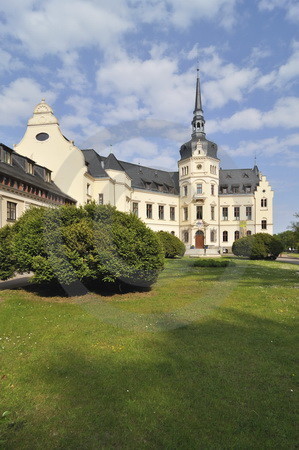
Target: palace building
205,206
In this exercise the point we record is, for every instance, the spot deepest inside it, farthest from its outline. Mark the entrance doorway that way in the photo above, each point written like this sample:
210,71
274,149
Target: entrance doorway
199,239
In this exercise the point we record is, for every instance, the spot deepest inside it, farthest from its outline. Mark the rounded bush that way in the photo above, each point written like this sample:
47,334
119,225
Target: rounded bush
94,242
258,246
171,244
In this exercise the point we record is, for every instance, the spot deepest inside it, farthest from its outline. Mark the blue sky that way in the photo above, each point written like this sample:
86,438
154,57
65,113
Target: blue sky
120,76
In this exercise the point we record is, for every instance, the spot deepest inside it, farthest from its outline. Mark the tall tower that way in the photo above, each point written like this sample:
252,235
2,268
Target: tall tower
199,180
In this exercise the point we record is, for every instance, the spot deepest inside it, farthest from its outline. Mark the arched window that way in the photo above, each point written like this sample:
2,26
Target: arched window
225,236
237,235
248,232
213,236
173,233
264,203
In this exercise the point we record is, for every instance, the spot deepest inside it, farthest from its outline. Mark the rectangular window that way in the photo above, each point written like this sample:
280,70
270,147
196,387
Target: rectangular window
264,203
186,213
172,213
11,211
185,190
212,212
199,214
135,208
199,188
225,213
101,199
149,211
88,189
248,212
161,212
225,236
237,213
185,236
264,224
212,189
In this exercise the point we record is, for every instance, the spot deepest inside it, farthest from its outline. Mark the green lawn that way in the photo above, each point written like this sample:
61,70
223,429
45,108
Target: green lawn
205,360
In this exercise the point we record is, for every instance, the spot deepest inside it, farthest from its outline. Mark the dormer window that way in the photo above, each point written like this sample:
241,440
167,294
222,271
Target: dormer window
223,189
235,189
29,167
6,156
48,176
247,188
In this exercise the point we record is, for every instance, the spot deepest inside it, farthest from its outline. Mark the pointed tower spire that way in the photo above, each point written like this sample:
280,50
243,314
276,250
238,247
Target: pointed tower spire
198,122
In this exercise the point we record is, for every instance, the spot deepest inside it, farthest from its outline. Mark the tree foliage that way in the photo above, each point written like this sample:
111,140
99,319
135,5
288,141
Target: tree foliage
92,242
258,246
287,238
7,262
171,244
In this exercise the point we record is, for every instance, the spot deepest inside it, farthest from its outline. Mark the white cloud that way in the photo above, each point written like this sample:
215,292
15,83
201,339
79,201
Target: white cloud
70,74
17,101
285,74
291,7
283,115
184,13
58,27
281,148
8,62
152,89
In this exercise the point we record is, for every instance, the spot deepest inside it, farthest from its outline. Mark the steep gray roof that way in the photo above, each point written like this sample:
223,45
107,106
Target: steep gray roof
241,178
17,170
95,163
209,147
112,163
151,179
141,177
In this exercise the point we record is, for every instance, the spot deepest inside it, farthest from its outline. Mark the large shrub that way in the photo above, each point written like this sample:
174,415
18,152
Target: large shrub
7,261
258,246
91,242
171,244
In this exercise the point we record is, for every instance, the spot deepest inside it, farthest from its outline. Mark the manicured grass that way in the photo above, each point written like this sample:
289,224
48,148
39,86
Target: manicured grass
204,360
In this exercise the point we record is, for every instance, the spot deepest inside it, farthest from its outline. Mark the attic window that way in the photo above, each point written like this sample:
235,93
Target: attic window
6,156
42,136
228,176
245,175
29,167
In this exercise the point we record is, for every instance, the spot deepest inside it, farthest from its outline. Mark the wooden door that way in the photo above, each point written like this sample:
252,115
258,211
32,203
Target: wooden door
199,240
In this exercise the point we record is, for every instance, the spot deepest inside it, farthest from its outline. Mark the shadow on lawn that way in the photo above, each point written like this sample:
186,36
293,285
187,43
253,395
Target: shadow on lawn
215,384
77,289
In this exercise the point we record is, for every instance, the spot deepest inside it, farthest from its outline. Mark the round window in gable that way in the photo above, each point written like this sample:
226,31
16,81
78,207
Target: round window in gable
42,136
199,166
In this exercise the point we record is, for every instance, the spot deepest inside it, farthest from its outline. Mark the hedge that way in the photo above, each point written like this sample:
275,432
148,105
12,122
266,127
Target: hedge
208,262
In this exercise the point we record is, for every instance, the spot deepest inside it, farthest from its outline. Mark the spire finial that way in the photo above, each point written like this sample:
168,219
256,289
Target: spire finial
198,121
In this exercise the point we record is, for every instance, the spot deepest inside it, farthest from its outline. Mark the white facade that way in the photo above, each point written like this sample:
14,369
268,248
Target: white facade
201,204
